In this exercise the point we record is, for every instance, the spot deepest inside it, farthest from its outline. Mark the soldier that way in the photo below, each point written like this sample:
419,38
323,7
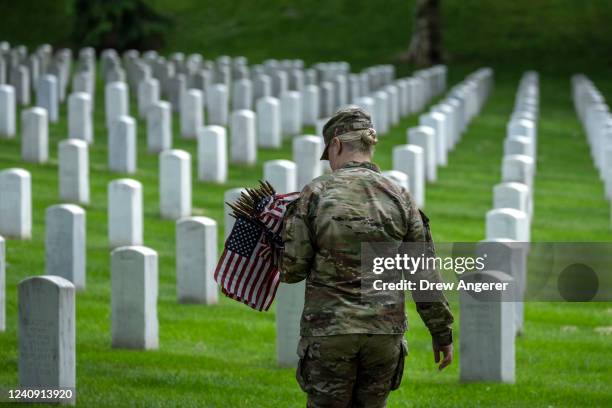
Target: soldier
352,352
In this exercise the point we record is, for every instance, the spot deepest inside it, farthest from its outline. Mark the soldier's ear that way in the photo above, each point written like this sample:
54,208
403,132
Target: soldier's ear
336,142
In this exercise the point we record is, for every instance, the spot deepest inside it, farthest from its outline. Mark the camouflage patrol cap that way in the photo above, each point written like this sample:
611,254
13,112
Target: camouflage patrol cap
345,120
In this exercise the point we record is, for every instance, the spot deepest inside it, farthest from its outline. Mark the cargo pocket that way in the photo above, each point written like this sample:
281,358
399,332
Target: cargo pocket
300,371
399,369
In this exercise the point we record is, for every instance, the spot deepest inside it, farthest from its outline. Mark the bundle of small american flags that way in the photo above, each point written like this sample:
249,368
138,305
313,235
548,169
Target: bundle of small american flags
248,269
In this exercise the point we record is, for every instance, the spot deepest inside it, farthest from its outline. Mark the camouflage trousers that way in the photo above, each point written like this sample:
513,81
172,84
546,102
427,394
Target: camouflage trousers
351,370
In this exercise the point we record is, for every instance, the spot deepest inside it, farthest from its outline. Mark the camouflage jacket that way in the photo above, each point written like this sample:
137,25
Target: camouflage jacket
322,234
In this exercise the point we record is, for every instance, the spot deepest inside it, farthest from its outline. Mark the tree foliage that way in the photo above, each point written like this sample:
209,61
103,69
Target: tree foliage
119,24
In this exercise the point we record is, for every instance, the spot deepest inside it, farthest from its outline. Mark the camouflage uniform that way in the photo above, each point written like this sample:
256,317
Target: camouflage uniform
351,351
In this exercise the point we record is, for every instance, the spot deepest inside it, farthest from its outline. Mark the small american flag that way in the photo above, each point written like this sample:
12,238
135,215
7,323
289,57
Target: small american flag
248,269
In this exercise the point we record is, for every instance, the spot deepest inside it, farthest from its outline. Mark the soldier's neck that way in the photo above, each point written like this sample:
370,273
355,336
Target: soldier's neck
353,157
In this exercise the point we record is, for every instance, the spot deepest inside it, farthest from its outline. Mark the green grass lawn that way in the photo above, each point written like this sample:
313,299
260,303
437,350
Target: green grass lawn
224,355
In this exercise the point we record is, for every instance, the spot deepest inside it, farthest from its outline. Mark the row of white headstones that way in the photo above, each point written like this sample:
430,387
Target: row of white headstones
488,328
502,223
596,120
407,96
133,266
279,109
275,116
498,228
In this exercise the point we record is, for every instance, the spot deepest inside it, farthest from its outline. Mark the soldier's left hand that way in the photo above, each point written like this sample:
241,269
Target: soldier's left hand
447,352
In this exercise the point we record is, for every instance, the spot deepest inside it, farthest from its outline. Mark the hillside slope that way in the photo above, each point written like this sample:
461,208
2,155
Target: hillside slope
551,35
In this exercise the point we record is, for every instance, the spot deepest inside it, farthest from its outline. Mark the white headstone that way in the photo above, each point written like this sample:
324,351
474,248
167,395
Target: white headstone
34,135
521,127
262,87
47,96
410,159
437,122
212,154
607,171
176,91
125,219
327,103
159,127
307,152
603,145
281,174
115,74
217,105
196,258
310,104
22,85
403,97
518,168
7,112
280,83
65,243
73,167
289,307
367,104
354,87
319,126
519,145
116,100
341,89
511,195
487,332
455,105
394,109
242,95
425,137
122,145
34,68
79,117
523,114
230,196
174,184
418,94
449,119
243,142
47,334
82,81
134,286
462,118
148,94
411,84
507,223
192,113
296,80
291,113
380,114
509,257
15,204
269,122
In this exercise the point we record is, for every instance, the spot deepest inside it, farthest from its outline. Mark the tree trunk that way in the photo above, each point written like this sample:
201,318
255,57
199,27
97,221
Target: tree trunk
426,43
